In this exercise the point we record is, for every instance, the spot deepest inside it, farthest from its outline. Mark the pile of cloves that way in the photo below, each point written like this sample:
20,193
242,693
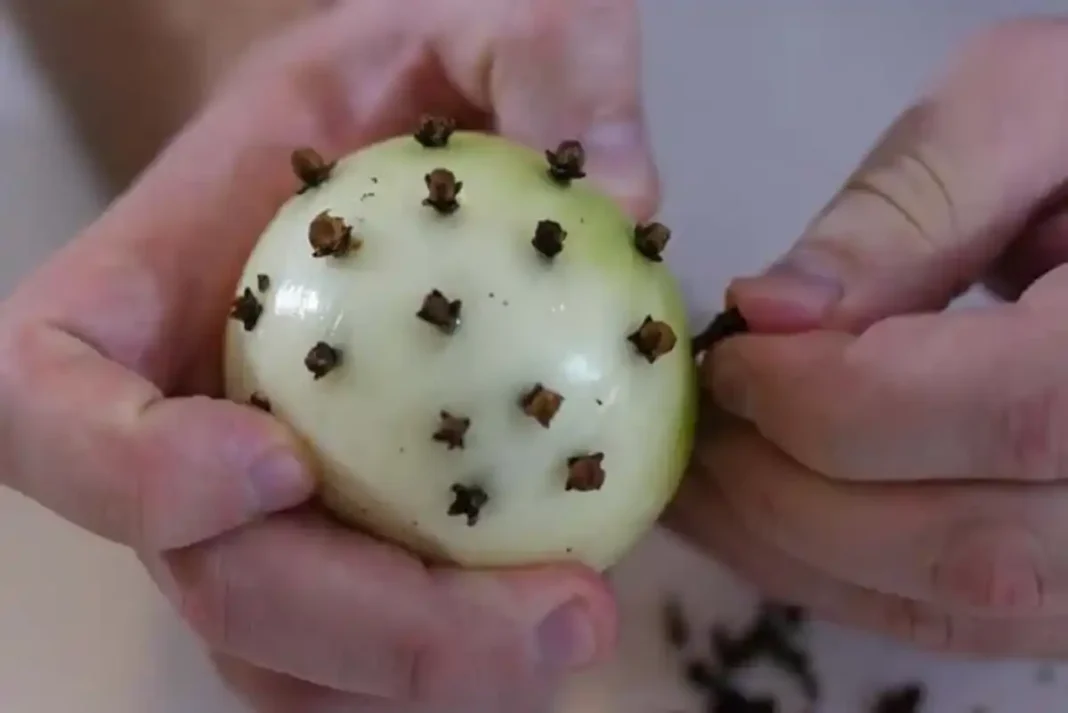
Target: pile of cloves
771,636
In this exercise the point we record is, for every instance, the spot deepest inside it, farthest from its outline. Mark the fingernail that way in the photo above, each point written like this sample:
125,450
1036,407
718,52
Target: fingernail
280,481
566,639
804,283
616,137
621,163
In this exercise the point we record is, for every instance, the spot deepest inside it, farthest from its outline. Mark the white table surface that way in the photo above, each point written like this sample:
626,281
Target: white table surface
786,96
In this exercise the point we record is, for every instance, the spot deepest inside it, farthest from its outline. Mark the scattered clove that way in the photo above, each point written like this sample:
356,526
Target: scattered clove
676,628
263,282
769,637
907,698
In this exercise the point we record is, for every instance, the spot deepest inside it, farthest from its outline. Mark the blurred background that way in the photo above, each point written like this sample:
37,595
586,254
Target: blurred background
759,108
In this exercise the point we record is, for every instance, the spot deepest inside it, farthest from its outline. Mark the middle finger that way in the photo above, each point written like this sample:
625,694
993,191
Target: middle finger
986,548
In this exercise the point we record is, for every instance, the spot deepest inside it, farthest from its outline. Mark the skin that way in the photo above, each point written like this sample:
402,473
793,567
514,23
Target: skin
886,462
114,345
920,501
162,56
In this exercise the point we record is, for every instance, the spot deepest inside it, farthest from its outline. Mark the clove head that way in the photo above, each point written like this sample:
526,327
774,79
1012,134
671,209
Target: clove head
310,168
653,339
568,162
331,236
440,311
650,240
434,131
442,191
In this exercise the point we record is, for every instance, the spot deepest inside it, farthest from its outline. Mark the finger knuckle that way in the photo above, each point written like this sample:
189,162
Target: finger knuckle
919,625
418,661
909,181
991,569
13,362
205,597
1028,435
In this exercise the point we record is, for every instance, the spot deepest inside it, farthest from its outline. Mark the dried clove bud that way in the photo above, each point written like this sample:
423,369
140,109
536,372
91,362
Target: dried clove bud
651,239
769,636
568,162
726,324
903,699
263,282
549,238
312,170
442,190
541,404
434,131
701,676
452,430
653,339
322,359
247,310
468,500
258,400
331,236
585,473
440,312
730,700
676,627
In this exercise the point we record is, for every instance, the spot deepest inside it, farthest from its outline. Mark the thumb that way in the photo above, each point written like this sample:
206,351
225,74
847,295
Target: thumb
101,447
938,199
560,71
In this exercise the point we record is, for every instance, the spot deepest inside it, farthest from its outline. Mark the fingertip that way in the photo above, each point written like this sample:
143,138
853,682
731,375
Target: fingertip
566,613
784,301
619,159
218,465
620,162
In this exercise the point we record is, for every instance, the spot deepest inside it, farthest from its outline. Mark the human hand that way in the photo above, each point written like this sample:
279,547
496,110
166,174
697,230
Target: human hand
110,365
887,463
